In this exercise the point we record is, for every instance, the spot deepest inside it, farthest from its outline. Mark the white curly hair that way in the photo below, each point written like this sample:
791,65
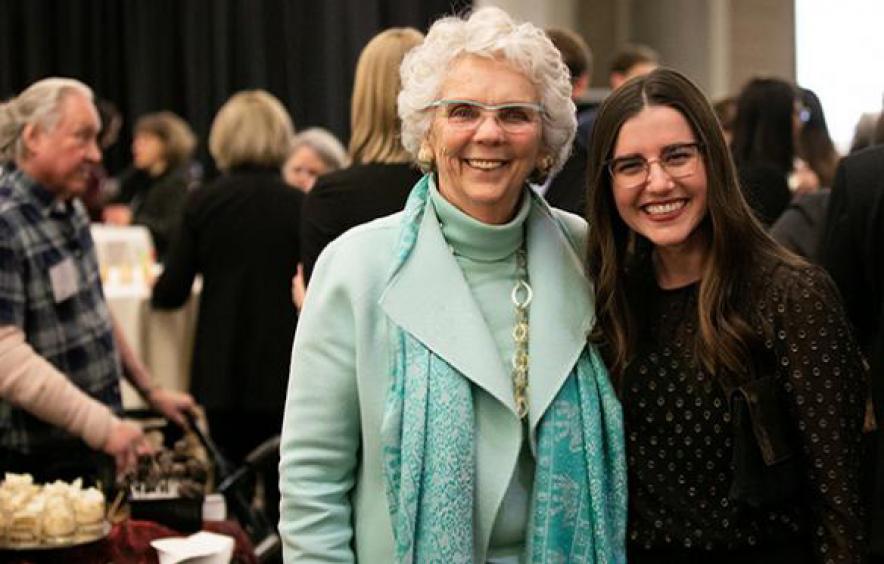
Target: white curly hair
488,32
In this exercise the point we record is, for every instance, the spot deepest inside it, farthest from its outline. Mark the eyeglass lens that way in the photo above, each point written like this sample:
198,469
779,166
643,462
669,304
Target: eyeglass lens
677,160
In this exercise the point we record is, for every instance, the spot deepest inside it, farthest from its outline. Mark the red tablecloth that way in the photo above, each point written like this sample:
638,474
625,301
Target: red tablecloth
129,543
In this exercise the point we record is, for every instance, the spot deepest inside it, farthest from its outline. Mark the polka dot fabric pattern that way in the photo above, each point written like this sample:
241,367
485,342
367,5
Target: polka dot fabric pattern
680,436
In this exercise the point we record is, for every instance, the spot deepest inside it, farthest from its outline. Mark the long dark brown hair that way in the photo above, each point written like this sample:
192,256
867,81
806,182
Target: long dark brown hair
737,242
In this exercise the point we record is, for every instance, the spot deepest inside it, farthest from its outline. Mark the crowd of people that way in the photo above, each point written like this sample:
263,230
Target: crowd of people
504,324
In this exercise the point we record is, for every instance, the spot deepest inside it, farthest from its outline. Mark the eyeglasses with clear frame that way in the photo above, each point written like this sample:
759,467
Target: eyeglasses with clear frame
678,161
512,117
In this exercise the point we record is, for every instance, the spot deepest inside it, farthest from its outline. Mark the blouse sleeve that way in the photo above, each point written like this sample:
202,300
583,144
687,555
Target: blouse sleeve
826,390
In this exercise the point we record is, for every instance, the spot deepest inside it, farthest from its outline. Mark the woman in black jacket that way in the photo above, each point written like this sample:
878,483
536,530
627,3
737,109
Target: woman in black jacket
153,191
241,233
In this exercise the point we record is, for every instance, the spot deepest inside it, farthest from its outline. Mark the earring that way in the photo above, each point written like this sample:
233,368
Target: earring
541,170
425,158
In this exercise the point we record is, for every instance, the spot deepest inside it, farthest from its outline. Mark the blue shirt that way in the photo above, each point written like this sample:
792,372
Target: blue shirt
50,288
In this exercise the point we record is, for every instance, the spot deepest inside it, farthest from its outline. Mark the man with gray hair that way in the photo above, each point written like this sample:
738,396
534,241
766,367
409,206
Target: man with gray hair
59,358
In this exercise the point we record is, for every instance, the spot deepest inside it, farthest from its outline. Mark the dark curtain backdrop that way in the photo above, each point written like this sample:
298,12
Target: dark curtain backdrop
189,56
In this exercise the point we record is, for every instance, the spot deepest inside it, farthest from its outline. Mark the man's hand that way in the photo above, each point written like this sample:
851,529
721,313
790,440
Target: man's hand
125,442
172,404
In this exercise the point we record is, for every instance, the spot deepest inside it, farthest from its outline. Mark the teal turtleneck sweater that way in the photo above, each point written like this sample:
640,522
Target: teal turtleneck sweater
486,255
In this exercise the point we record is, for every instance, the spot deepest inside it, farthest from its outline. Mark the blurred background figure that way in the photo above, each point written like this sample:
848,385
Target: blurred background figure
765,131
814,144
241,234
153,190
726,110
567,189
381,175
869,131
632,61
100,185
314,152
800,227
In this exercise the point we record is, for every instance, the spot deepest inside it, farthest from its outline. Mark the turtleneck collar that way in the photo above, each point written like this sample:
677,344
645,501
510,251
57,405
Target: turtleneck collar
473,239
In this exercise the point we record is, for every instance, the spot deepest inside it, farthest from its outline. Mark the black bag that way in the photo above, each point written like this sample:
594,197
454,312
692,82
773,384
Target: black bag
765,456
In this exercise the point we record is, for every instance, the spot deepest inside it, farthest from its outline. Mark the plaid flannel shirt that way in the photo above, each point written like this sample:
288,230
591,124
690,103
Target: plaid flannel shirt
41,240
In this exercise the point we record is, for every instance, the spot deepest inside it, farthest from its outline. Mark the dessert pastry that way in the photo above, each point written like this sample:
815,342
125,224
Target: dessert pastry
59,523
89,513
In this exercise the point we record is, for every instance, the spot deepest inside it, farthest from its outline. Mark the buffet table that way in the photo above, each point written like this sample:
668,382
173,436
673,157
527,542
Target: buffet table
163,340
129,542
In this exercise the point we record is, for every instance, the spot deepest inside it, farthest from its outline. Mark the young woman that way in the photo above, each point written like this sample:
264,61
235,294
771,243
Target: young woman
742,387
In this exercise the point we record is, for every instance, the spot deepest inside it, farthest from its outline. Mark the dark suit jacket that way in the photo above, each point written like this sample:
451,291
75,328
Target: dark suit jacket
347,198
852,250
568,190
242,234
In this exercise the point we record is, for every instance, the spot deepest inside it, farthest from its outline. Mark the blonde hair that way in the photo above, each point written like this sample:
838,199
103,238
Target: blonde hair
176,136
374,124
37,104
252,127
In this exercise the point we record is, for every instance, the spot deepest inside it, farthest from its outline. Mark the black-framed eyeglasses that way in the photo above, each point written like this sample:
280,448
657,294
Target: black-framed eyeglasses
678,161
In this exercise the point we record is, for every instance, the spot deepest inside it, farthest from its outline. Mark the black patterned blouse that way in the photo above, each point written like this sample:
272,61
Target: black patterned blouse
680,433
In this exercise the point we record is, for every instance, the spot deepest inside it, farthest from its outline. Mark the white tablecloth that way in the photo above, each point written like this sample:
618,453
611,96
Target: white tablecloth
163,340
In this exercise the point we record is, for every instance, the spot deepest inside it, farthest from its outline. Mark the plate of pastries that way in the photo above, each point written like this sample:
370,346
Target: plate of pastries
60,514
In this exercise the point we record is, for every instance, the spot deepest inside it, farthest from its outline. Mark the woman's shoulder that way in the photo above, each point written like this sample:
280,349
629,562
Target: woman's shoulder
574,227
794,285
365,251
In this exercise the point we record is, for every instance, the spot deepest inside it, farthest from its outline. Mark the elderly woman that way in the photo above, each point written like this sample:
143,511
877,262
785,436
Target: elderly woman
443,402
743,389
241,234
152,193
314,152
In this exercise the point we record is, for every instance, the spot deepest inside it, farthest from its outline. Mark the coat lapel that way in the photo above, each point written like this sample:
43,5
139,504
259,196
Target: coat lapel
430,299
561,310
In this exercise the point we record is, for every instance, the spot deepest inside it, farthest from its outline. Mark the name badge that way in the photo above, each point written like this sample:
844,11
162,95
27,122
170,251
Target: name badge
63,277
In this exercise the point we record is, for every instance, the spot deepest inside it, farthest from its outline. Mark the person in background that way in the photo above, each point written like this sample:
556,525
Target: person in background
800,227
567,189
631,61
240,233
382,174
814,144
869,131
443,403
314,152
743,390
852,253
763,146
57,339
726,111
152,193
98,191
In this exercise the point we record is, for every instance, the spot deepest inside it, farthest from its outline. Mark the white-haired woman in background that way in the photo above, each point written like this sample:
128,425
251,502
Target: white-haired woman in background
444,404
314,152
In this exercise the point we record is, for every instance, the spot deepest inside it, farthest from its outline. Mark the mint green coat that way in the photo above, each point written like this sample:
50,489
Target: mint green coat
334,506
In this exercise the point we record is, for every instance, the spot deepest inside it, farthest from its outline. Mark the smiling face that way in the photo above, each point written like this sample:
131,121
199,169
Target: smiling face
62,158
665,210
482,171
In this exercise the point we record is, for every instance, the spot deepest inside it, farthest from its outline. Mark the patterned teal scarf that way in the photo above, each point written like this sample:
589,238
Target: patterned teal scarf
578,511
